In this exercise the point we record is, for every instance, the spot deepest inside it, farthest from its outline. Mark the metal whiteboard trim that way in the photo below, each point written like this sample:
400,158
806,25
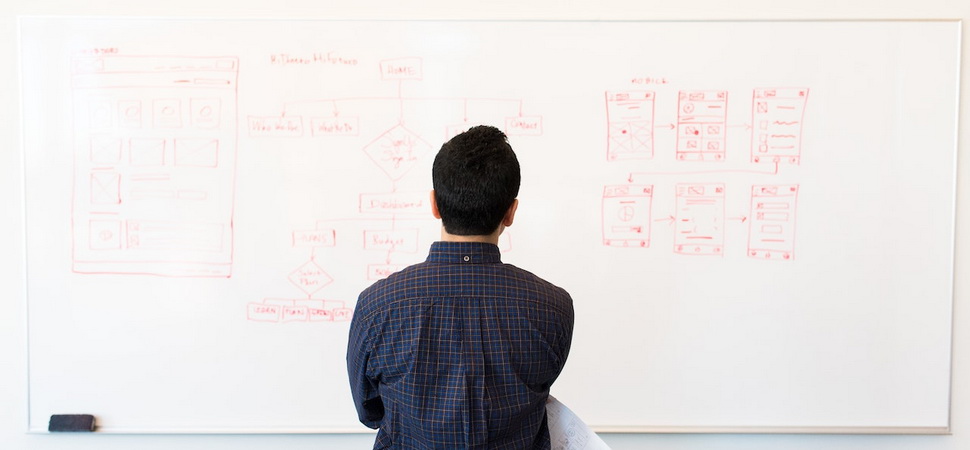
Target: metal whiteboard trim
837,430
598,429
217,431
23,214
957,20
774,430
956,210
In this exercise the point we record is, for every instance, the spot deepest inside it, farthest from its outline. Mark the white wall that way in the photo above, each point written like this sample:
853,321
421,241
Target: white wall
13,375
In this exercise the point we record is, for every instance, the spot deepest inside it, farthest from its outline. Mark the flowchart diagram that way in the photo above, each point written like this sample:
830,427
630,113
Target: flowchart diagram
700,218
388,226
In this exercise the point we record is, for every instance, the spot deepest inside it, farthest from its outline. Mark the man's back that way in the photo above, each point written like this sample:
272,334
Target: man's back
459,352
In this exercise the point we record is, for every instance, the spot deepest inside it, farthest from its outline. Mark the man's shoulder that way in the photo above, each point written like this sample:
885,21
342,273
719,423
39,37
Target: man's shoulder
540,285
391,295
391,286
532,277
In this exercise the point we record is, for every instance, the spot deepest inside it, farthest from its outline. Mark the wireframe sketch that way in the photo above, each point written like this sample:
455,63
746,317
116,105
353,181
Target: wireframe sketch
776,131
772,228
155,144
626,215
630,117
701,125
699,225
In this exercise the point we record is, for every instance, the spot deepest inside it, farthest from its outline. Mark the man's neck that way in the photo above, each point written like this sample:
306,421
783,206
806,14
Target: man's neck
488,238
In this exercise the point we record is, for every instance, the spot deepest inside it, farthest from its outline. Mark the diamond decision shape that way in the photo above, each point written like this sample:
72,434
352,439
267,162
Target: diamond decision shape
397,151
310,277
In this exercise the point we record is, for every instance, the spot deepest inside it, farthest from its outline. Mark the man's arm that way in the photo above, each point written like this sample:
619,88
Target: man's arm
567,335
366,391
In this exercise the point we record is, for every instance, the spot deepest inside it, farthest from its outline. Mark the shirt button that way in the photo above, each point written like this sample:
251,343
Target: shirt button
467,258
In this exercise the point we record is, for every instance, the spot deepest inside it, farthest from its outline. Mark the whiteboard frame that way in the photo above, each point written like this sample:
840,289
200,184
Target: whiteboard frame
768,430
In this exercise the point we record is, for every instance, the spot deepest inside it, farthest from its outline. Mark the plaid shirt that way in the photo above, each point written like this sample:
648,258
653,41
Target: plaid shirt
458,352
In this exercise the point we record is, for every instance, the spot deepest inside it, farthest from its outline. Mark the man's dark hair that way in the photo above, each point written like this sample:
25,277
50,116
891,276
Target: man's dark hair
476,178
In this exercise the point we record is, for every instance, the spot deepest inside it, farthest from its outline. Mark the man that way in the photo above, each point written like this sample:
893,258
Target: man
460,351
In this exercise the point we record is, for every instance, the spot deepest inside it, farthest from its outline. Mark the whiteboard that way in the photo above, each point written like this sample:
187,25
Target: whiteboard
755,219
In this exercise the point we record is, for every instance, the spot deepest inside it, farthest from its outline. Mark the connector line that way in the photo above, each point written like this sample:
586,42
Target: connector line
400,99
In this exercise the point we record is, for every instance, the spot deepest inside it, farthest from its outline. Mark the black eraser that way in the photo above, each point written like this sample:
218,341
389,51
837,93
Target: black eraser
71,422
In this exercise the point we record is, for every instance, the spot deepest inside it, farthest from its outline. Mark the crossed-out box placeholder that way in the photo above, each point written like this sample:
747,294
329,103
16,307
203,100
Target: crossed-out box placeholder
105,188
197,152
146,151
105,150
630,137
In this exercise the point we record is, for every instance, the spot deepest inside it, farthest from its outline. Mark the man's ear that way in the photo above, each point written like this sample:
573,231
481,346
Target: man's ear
434,206
510,214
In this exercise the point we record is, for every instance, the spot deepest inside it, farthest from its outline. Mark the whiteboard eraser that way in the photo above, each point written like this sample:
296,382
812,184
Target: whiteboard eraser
71,422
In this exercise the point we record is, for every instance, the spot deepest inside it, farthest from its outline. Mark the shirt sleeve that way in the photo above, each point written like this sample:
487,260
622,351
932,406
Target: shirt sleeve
561,336
566,336
366,391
